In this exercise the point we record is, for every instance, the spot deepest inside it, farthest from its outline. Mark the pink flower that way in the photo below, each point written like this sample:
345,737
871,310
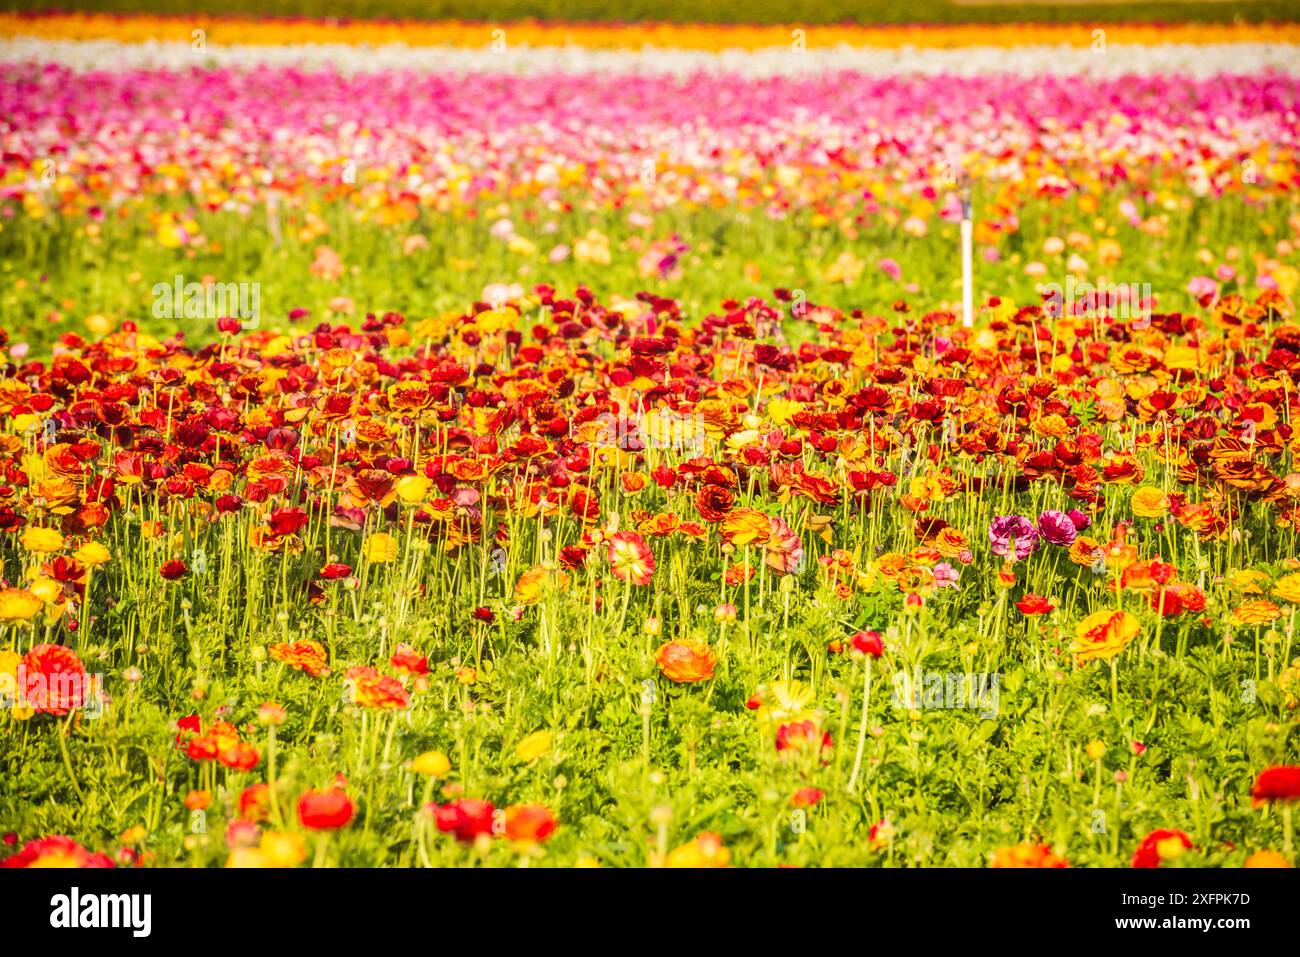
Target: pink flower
945,576
1203,286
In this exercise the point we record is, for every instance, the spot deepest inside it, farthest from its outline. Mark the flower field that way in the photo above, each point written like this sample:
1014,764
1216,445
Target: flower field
436,444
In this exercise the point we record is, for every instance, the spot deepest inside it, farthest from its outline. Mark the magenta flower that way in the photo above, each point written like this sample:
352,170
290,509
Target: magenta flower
1013,536
1057,527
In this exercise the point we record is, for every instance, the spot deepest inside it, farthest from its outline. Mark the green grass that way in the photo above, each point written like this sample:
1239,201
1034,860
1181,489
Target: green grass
54,276
703,11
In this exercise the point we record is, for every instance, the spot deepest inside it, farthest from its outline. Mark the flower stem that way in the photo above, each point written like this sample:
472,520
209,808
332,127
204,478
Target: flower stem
862,726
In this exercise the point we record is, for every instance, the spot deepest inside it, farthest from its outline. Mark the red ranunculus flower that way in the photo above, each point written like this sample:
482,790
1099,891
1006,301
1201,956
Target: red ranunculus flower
1033,604
55,851
1159,846
54,679
325,810
467,818
869,643
1279,783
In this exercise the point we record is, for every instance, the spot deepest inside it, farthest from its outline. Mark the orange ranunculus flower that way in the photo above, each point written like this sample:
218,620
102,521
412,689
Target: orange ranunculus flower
686,661
664,523
738,573
714,502
370,689
535,581
1085,550
269,465
1150,502
746,526
409,396
1255,611
1266,859
1141,576
1104,634
372,485
529,823
306,655
1028,855
950,543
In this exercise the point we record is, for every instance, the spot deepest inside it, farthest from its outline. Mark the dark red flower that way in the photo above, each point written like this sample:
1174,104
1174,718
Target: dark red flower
173,569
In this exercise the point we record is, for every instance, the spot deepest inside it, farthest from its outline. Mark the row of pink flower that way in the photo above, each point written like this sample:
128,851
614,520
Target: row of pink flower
122,133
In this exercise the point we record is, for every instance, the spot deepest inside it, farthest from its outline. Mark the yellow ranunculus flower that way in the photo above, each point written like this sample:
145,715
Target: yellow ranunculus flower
1288,588
92,553
380,548
781,411
11,696
42,540
413,488
432,764
18,604
283,849
534,746
245,858
705,851
46,589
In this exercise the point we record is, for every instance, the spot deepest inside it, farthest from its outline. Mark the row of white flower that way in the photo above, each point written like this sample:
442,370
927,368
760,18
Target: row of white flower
1114,60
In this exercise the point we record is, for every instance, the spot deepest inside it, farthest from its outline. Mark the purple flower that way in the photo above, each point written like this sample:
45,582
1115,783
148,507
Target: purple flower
1057,527
1006,530
1080,520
